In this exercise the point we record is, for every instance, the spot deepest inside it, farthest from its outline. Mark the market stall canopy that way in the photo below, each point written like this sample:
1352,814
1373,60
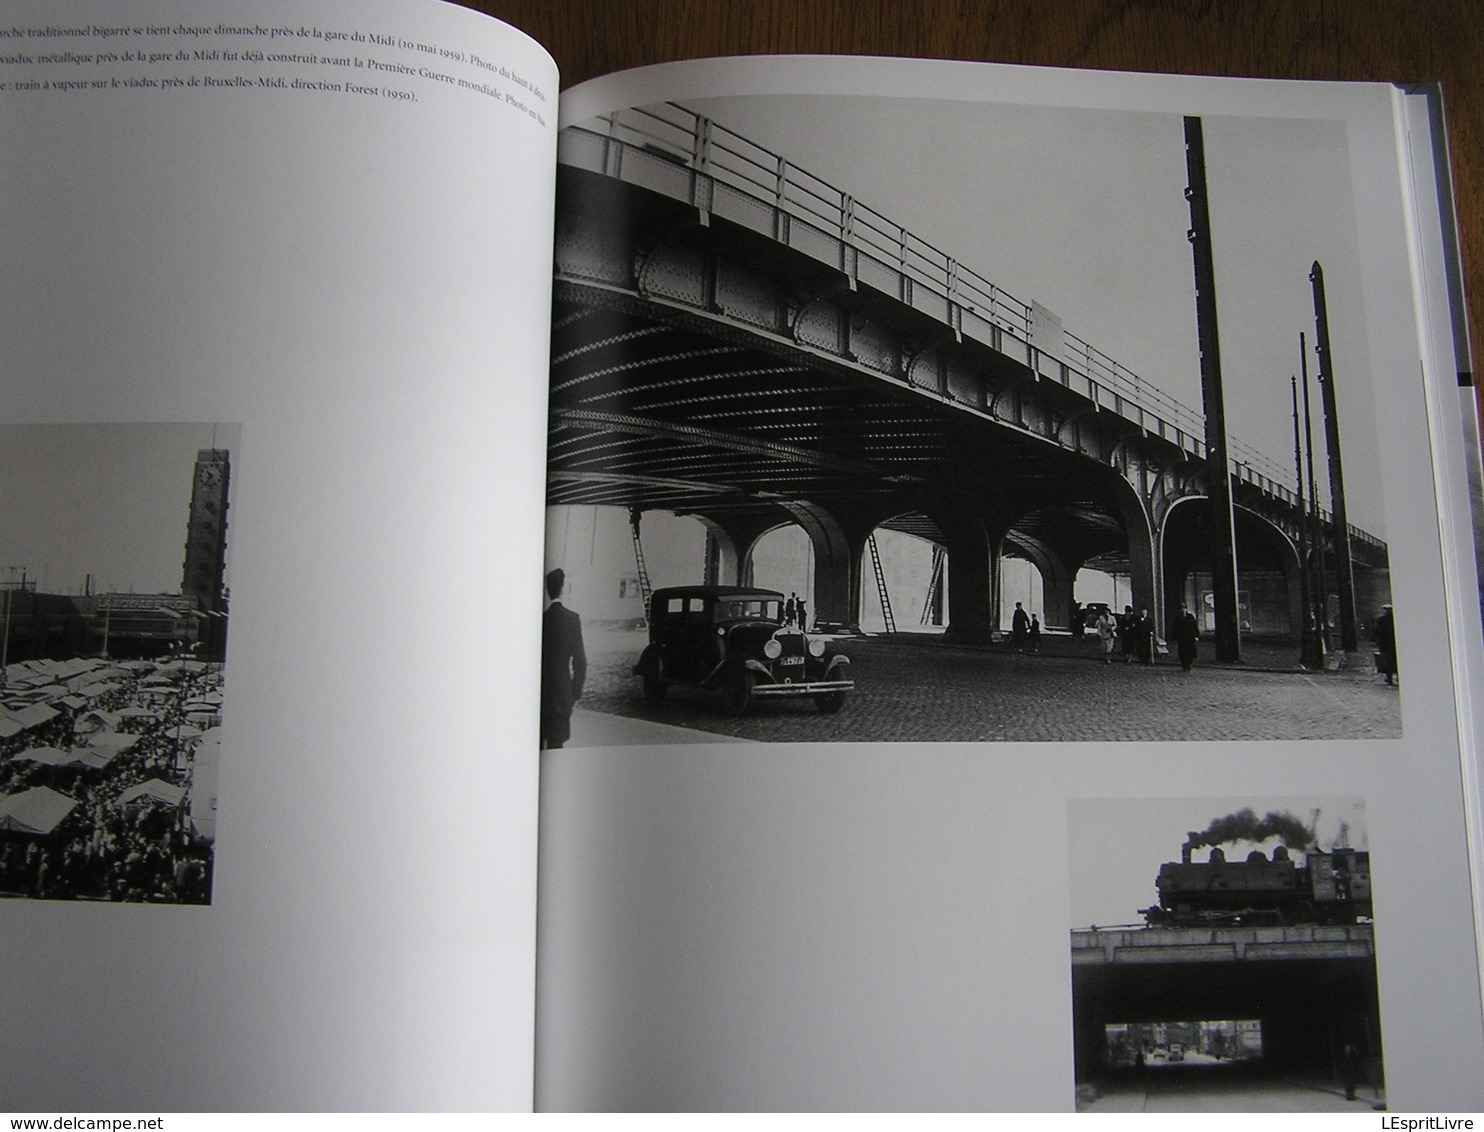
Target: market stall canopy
23,719
38,810
153,790
83,757
93,721
63,671
39,692
46,756
110,743
36,714
178,668
22,676
83,681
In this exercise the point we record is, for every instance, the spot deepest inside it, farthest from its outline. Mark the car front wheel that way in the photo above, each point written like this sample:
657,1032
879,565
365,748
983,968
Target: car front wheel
830,702
736,693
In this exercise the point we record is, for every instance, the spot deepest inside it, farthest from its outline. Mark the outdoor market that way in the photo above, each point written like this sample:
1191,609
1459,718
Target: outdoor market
108,779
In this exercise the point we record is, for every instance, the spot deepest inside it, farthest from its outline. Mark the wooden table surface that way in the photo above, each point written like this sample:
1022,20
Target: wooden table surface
1377,40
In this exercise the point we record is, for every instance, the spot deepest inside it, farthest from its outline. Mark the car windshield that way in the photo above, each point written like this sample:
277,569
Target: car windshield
747,609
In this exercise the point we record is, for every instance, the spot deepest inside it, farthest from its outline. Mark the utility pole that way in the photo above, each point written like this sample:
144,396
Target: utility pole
1221,525
1310,655
1344,569
1316,528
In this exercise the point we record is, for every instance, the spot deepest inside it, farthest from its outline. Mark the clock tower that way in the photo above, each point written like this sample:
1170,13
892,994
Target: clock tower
205,571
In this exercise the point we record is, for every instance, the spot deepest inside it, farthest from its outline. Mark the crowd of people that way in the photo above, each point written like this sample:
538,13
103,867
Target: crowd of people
1131,635
124,758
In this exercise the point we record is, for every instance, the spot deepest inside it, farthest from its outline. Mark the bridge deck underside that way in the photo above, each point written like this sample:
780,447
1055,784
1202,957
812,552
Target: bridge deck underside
657,409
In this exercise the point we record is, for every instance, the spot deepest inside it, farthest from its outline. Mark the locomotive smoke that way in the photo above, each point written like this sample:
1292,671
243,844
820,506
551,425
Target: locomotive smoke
1244,825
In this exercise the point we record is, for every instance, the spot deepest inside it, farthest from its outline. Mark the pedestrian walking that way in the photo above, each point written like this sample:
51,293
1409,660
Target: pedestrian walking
1126,634
1385,634
1020,627
1350,1067
1107,634
1144,637
1187,633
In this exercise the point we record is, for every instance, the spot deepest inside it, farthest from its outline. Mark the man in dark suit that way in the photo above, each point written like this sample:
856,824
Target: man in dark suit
563,665
1386,646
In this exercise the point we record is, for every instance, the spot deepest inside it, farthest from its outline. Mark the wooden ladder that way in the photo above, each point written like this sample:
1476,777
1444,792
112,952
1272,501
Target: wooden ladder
891,624
934,583
644,586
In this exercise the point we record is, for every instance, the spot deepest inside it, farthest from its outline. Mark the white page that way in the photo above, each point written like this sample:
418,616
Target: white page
349,279
885,925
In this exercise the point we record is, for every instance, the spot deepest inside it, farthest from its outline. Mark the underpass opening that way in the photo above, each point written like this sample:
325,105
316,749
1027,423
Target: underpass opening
1310,1009
1268,603
1094,586
783,560
1021,582
1059,539
1205,1042
1098,587
907,595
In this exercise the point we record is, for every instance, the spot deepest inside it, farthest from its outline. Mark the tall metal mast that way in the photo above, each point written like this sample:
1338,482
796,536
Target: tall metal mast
1316,528
1309,655
1220,525
1344,570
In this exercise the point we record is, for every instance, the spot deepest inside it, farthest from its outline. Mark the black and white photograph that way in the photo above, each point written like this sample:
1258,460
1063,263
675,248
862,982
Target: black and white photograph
891,419
113,632
1223,956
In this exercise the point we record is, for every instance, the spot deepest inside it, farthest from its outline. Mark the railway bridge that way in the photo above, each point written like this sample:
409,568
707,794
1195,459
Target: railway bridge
736,340
1312,987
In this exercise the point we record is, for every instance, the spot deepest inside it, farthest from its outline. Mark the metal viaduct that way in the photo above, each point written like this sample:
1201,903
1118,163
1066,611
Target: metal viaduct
736,340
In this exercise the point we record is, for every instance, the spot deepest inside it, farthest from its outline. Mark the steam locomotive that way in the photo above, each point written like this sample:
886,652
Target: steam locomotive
1331,887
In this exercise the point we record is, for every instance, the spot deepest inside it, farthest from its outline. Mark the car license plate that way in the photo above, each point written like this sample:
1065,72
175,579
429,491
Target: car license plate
791,660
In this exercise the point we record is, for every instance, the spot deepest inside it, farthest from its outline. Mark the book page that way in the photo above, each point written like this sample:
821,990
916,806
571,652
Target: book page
276,291
953,735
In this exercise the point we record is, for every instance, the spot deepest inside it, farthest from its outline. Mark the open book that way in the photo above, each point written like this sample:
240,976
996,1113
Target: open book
930,727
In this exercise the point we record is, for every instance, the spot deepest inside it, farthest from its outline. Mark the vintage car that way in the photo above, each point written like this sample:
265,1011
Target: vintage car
732,640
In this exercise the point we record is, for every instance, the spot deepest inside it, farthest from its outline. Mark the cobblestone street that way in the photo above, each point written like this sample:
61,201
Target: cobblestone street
918,689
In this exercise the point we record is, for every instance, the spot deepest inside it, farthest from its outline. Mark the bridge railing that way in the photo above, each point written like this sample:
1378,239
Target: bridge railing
675,145
745,172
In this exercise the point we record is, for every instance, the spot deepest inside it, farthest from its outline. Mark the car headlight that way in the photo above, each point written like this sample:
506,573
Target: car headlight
816,648
772,650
